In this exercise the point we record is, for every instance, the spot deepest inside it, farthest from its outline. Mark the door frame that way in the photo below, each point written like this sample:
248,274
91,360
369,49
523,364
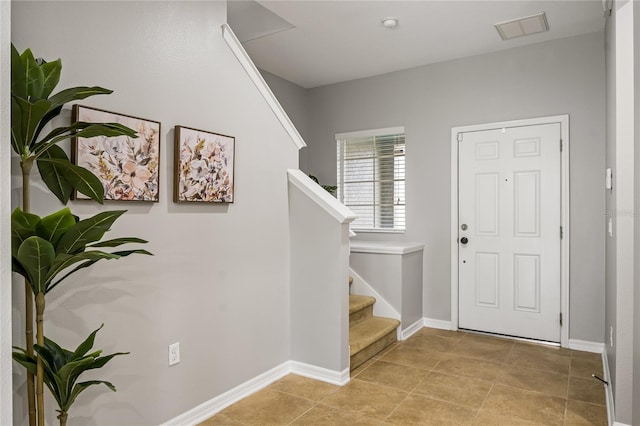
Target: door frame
563,120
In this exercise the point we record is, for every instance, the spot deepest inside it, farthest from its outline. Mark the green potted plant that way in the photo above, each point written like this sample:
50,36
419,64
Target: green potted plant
44,249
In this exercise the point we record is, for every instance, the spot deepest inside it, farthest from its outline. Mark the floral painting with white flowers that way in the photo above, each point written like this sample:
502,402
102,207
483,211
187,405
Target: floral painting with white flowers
204,166
127,167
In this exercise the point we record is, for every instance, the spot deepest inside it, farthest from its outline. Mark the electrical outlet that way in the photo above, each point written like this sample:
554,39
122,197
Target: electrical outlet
611,336
174,353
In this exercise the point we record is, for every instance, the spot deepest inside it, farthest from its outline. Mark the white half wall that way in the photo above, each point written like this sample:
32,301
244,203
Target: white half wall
218,282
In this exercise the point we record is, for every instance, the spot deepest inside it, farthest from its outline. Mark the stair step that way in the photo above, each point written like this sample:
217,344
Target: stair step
369,337
357,302
360,308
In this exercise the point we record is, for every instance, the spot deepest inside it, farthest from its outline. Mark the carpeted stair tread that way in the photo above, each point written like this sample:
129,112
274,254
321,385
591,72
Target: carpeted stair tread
357,302
369,331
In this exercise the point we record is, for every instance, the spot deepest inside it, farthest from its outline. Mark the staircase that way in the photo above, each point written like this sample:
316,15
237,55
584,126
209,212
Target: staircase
368,334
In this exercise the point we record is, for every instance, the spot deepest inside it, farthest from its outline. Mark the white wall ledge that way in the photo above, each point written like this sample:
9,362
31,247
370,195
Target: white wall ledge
325,200
385,247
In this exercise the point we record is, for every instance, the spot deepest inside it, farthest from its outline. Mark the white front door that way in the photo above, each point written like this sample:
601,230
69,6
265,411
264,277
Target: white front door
509,221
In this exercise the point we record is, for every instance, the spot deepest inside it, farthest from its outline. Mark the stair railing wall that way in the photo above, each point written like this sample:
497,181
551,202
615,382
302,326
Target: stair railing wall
319,244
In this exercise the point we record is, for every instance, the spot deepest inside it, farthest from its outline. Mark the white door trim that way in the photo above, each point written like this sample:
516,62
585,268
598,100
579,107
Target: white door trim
563,120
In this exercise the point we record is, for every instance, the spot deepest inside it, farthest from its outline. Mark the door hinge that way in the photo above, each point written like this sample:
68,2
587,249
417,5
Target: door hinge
561,233
459,137
560,319
561,145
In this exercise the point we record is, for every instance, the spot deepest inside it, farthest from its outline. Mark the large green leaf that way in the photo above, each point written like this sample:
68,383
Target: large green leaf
31,113
55,225
51,71
87,231
79,387
67,375
50,115
87,344
63,261
118,242
36,256
33,75
82,129
24,360
52,174
17,138
76,94
80,178
18,75
23,226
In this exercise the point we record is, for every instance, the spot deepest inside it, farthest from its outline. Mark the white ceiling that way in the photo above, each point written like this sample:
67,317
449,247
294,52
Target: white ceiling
334,41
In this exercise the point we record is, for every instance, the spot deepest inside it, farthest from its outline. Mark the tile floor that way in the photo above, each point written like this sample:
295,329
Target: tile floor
439,377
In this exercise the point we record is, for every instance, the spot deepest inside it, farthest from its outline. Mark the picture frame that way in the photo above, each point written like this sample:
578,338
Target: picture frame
128,168
204,166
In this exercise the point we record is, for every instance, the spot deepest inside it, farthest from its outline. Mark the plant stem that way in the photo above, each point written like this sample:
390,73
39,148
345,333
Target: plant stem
40,304
63,418
26,165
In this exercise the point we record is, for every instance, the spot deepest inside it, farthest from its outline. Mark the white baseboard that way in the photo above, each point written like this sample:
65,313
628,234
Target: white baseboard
339,378
211,407
586,346
436,323
619,424
412,329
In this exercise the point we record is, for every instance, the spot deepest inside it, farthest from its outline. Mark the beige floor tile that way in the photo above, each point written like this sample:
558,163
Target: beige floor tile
414,357
359,369
220,420
521,357
525,405
267,407
482,349
489,340
582,413
431,342
584,367
586,390
395,376
534,380
304,387
542,348
468,367
420,410
456,389
366,399
455,335
586,355
321,415
488,419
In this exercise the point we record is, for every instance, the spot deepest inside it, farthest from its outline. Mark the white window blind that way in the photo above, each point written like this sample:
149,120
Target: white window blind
371,178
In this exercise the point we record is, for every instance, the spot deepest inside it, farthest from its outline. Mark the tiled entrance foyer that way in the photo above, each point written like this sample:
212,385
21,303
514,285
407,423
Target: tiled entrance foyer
439,377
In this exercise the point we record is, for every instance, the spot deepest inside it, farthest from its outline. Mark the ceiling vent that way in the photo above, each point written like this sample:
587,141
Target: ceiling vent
520,27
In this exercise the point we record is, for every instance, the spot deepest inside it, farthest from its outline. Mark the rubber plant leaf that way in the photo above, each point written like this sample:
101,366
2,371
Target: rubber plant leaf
33,75
23,226
118,242
18,74
63,261
55,225
53,174
36,256
79,387
51,71
87,344
28,120
76,94
87,231
80,178
17,138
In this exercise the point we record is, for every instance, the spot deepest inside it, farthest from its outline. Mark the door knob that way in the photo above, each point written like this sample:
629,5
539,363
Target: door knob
464,240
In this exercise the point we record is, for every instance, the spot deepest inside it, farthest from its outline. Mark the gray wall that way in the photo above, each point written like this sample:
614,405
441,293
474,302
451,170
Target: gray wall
559,77
295,101
636,309
218,282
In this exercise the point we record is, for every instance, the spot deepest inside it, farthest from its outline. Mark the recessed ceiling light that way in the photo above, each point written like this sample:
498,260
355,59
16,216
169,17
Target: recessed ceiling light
390,22
520,27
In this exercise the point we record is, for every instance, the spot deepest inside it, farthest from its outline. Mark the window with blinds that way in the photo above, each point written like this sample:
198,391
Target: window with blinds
371,178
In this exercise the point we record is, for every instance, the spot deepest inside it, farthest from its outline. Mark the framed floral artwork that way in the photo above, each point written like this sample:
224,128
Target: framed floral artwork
127,167
203,167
